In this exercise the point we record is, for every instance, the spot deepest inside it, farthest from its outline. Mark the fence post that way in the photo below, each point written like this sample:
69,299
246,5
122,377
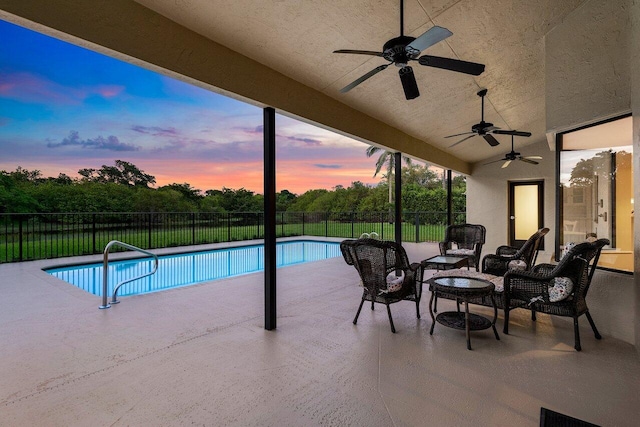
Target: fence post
303,223
93,232
20,239
282,224
326,224
149,229
382,226
228,226
417,228
352,229
193,228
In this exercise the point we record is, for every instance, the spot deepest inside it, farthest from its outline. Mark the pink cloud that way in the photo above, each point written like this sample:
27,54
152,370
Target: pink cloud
28,87
109,91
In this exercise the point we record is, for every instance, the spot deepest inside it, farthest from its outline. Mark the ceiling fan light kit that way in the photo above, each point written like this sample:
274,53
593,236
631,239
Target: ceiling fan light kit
403,49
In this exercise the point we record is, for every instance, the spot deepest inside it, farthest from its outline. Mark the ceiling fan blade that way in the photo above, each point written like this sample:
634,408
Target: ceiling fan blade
462,140
356,82
432,36
495,161
409,83
507,163
452,64
459,134
512,132
491,140
533,157
528,161
358,52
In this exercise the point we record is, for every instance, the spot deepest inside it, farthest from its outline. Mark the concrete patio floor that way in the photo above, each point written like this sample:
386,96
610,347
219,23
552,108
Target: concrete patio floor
199,355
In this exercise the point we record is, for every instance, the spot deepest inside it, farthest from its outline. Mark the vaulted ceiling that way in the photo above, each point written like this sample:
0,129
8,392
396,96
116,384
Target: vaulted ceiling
297,38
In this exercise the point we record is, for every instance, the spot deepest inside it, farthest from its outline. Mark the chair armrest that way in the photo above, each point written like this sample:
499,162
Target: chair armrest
527,285
495,264
543,269
506,250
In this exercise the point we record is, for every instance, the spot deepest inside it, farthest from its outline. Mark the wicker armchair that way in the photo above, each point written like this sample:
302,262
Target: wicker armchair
507,257
468,240
386,274
546,289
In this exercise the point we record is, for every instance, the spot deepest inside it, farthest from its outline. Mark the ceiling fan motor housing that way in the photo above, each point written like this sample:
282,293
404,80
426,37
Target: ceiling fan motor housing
395,50
480,128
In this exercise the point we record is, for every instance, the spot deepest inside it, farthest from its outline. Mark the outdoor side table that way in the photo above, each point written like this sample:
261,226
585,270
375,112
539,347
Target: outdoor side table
463,289
446,262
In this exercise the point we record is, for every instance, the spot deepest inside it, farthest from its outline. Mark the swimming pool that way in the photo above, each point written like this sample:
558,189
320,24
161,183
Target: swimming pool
191,268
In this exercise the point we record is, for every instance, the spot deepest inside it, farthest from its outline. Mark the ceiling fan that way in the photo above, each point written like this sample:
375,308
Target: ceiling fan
485,129
513,155
400,50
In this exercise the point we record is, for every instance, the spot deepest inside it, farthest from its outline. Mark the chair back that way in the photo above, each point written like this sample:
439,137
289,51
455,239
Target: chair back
376,259
579,264
466,236
529,251
347,249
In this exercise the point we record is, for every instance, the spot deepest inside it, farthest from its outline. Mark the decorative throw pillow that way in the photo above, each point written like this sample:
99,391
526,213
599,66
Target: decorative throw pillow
560,289
517,264
567,248
394,283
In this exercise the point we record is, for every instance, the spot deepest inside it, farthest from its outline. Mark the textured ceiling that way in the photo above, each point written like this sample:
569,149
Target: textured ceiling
297,38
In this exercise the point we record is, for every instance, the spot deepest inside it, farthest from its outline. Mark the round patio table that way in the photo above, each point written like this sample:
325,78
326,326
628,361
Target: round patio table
463,289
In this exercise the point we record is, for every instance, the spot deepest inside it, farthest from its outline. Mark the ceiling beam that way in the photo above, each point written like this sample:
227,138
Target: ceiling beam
129,31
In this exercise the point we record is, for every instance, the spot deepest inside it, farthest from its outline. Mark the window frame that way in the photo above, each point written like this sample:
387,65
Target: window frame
559,188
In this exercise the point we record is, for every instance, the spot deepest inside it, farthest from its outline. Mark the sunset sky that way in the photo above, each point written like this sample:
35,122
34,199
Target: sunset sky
64,108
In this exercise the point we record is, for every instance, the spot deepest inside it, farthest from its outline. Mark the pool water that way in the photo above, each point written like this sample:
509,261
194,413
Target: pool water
191,268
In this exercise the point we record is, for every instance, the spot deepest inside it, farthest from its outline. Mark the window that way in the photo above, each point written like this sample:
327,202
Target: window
596,185
577,195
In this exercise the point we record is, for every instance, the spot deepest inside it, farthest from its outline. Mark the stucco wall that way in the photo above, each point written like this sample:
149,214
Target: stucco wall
487,195
587,65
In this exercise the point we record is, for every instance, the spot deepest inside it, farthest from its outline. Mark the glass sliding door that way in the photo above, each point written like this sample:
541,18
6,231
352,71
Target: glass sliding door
596,184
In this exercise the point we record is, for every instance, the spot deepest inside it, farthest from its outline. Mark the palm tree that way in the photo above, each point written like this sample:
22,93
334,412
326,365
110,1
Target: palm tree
386,158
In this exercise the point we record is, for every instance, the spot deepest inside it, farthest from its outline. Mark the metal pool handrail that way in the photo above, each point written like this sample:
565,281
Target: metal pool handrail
105,271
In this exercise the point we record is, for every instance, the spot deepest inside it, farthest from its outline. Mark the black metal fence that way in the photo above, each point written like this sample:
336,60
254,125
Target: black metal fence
39,236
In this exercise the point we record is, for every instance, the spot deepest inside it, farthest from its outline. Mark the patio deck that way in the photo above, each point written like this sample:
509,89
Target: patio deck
199,355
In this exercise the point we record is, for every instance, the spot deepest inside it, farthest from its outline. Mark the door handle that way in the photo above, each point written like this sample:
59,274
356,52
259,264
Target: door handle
512,217
603,216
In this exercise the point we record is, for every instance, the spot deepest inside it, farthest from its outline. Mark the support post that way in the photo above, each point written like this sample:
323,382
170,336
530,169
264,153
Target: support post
269,131
449,199
398,185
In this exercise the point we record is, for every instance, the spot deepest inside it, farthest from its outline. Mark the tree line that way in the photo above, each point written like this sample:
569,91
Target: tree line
123,187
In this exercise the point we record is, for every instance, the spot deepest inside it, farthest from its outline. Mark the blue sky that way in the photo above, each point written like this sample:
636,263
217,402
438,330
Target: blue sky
63,108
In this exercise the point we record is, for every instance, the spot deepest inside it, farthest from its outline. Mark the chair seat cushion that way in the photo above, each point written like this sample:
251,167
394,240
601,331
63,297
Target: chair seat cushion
465,252
498,281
